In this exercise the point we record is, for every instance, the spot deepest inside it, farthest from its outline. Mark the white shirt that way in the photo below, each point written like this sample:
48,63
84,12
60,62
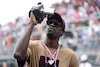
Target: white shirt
85,65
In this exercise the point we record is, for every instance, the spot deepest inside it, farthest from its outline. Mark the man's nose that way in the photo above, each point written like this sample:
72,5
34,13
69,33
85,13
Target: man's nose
52,25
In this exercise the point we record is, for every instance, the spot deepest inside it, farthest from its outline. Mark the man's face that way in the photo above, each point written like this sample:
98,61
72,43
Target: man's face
54,29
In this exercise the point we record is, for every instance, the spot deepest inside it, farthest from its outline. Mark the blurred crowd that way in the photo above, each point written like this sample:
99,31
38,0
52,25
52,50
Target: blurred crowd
82,19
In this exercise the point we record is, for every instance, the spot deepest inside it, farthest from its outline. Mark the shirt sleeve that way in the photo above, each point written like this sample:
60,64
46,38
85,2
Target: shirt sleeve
74,61
30,48
28,54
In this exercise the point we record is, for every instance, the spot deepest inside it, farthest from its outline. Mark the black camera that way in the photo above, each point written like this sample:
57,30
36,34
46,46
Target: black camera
40,12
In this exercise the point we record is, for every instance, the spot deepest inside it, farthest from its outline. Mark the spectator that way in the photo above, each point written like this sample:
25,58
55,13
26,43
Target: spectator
37,50
4,64
85,63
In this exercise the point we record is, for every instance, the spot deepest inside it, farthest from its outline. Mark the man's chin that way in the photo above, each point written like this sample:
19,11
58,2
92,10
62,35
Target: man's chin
50,35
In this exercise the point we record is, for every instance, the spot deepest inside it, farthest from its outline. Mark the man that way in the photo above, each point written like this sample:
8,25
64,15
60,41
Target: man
47,53
84,63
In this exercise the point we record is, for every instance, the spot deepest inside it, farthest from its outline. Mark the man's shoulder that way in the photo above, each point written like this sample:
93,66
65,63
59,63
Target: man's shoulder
70,54
35,42
68,50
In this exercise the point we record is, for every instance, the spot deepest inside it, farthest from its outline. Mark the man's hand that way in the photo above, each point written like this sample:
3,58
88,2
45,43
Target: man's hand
32,18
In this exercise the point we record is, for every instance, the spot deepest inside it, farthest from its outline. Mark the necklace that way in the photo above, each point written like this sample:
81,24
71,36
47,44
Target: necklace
52,59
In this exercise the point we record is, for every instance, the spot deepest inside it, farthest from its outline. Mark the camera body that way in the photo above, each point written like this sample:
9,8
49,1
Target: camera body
40,13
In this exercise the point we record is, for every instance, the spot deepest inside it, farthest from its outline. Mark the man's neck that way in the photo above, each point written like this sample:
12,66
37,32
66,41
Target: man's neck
52,43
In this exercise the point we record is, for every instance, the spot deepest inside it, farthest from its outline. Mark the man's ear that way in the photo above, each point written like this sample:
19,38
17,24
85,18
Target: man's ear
62,33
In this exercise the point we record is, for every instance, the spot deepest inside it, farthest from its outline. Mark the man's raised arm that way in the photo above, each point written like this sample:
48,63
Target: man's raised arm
20,51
